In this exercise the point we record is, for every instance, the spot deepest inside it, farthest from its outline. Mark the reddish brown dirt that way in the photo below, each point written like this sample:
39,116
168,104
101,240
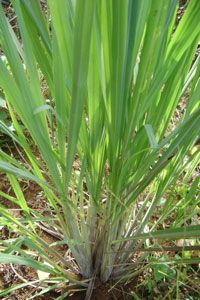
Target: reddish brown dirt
107,292
98,294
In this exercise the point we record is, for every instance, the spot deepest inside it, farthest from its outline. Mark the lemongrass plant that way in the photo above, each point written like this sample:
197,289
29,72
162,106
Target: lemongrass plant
108,149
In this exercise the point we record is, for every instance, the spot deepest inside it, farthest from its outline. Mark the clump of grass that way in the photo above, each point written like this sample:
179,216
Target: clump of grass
116,71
